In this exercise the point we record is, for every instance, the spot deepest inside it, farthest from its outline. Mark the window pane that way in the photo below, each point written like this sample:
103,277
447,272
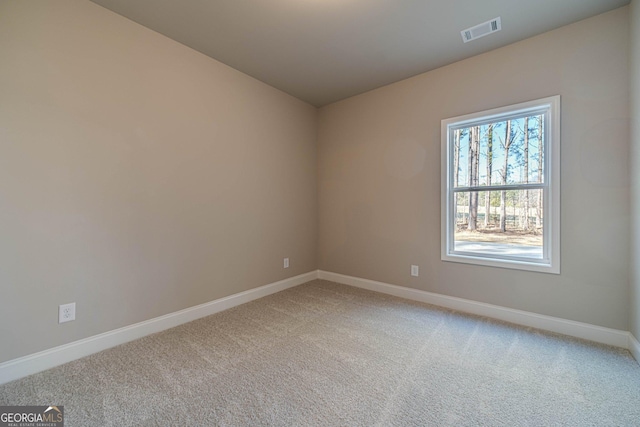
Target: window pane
504,223
501,152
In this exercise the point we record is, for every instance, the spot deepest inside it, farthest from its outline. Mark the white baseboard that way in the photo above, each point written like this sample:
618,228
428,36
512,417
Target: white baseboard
572,328
37,362
634,347
27,365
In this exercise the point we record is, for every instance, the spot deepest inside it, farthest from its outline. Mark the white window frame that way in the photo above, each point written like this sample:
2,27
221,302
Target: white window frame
550,262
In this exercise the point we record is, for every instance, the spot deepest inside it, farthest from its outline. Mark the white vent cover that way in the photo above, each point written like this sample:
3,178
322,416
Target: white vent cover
481,30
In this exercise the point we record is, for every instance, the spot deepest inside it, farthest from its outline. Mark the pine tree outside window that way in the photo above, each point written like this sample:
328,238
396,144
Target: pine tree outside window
501,187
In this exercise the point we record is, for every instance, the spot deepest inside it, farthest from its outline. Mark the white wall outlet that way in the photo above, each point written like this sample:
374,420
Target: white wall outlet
286,263
415,270
67,312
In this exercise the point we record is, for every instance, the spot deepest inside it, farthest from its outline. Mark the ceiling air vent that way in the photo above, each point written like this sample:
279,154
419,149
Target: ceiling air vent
481,30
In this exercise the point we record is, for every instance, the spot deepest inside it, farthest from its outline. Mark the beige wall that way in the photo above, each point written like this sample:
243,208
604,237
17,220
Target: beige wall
634,300
137,176
379,173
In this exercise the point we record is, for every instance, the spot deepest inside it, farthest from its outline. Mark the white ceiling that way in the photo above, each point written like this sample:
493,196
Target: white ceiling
322,51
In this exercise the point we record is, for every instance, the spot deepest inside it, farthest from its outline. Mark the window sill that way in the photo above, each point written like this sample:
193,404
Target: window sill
516,264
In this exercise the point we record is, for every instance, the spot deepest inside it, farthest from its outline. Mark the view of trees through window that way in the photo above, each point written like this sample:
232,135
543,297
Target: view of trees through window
498,176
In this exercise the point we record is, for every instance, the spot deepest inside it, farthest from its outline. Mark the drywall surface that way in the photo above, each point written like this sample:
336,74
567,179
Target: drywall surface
634,300
379,173
137,176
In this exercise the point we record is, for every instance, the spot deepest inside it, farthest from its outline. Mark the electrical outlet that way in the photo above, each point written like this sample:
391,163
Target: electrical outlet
286,263
415,270
67,312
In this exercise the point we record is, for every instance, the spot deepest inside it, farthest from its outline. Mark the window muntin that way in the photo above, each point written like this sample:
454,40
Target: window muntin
501,187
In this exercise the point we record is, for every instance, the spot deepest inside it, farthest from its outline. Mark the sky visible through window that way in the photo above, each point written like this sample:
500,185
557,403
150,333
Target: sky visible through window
515,153
505,222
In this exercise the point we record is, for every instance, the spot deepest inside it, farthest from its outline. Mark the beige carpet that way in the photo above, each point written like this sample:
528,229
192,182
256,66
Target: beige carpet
332,355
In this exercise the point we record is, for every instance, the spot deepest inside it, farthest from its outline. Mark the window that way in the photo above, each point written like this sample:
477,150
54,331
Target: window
501,187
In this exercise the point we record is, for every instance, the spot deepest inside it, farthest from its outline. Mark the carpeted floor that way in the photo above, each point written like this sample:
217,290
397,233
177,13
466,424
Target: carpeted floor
333,355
